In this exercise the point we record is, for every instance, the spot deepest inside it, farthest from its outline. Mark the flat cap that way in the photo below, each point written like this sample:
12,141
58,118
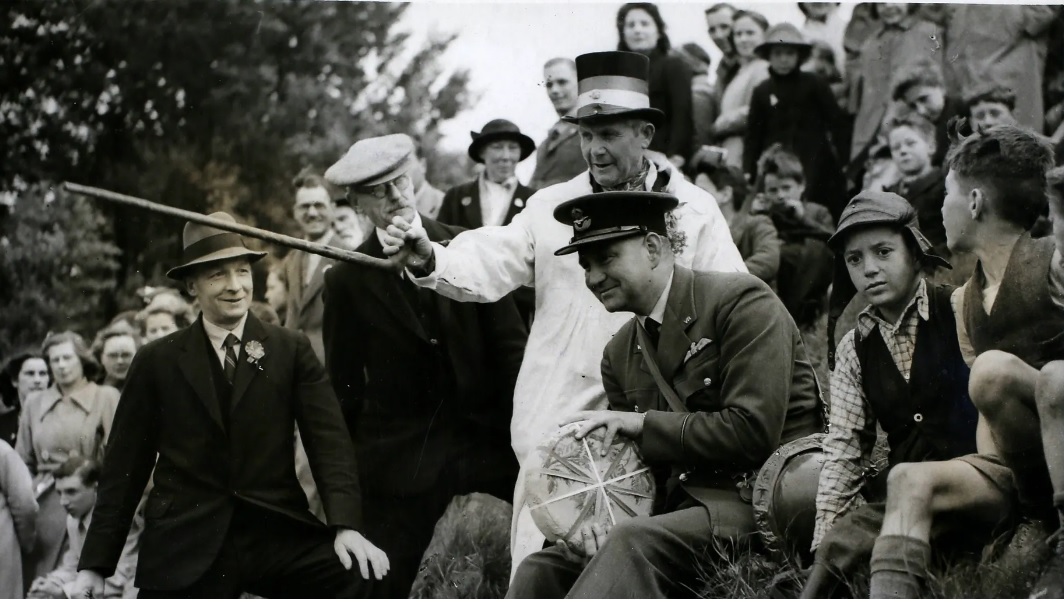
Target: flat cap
372,161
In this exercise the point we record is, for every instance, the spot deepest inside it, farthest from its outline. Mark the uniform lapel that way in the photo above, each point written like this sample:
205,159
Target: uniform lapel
245,370
196,370
679,316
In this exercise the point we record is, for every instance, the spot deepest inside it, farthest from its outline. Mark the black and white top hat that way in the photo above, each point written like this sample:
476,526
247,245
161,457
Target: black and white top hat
613,84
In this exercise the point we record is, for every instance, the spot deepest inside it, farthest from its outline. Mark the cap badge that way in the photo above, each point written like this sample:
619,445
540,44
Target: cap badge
580,222
595,94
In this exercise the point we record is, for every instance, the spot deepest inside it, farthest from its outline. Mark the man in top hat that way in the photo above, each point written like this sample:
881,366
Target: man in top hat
496,196
211,409
708,379
558,158
560,372
426,383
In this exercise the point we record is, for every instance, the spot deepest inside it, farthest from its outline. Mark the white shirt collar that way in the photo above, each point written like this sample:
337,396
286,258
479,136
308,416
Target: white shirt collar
658,313
509,184
216,334
416,222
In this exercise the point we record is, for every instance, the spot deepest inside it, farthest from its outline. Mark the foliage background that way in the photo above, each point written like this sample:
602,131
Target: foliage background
206,105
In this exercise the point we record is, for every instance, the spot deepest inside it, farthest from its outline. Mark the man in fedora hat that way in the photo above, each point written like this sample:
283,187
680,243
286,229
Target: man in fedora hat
425,383
560,373
708,379
226,514
558,158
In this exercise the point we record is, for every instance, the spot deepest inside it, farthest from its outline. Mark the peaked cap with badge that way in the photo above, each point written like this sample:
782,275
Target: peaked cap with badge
614,84
499,129
606,216
205,244
373,161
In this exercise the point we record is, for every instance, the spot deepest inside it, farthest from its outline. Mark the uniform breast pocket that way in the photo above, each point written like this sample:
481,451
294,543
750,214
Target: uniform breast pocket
698,383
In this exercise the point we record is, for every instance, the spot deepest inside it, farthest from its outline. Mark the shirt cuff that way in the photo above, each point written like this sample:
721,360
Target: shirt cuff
429,280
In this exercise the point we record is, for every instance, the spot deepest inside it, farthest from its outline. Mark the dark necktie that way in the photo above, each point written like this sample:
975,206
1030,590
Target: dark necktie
653,331
231,345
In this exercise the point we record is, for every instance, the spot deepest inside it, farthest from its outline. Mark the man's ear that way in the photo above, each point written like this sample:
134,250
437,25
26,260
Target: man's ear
654,243
977,202
647,130
190,287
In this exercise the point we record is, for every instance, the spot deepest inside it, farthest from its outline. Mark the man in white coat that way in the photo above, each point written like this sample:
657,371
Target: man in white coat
560,373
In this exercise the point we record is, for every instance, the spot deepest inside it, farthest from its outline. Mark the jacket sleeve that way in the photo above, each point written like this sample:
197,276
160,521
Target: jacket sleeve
24,441
756,121
16,485
757,362
129,461
764,260
678,79
326,439
485,264
827,107
505,339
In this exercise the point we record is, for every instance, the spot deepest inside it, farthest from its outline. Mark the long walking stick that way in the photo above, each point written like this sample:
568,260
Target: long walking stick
280,239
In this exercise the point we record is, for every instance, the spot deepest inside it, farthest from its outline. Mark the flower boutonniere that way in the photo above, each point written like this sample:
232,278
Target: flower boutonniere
255,352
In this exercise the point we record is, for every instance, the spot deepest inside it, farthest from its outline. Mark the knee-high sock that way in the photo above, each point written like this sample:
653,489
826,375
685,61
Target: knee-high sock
899,567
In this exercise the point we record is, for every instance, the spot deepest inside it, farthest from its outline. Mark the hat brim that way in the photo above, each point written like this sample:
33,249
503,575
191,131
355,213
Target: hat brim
805,50
654,116
526,143
595,239
181,271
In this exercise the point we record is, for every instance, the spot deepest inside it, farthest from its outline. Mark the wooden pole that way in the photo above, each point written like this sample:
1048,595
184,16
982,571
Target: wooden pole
280,239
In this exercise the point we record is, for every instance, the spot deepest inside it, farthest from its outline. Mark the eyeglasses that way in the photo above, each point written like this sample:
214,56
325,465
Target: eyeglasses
380,191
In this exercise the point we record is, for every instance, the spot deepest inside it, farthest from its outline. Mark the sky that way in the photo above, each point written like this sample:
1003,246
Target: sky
504,46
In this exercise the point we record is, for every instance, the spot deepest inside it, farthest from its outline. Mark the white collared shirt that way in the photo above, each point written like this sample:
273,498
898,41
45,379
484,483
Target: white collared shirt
313,259
658,313
216,335
495,199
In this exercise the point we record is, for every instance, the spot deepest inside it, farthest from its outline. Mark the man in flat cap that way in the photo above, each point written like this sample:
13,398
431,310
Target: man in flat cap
708,379
560,369
426,383
226,514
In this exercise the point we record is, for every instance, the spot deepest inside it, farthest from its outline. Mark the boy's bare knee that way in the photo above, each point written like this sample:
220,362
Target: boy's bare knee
994,378
1049,392
909,481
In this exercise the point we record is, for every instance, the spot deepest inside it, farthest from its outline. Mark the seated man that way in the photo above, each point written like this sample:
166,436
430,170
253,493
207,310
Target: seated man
75,481
900,368
738,385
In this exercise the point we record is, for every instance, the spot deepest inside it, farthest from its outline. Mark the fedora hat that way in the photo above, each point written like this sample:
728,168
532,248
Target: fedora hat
207,244
784,34
614,84
499,129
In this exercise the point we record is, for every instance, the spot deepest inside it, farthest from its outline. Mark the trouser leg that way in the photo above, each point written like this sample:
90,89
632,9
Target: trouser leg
546,574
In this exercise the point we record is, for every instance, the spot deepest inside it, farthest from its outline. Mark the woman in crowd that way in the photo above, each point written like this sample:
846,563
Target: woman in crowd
24,373
641,29
72,417
164,314
114,349
748,32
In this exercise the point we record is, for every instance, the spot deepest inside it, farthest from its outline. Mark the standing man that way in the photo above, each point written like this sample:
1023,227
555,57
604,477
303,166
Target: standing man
210,408
426,383
305,272
560,372
558,158
496,196
718,23
708,379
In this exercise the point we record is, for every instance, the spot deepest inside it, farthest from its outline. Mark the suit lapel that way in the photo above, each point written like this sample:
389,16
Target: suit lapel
245,370
385,286
521,193
317,281
473,216
565,131
196,370
679,316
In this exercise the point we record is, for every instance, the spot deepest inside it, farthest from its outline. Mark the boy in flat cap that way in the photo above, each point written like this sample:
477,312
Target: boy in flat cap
426,383
900,368
709,378
209,411
559,373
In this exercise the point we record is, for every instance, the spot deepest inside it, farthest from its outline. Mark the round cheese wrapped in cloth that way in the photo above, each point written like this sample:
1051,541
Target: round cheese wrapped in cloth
570,484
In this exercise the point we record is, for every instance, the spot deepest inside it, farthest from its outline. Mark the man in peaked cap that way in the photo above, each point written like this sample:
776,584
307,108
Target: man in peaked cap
708,379
559,373
425,383
226,514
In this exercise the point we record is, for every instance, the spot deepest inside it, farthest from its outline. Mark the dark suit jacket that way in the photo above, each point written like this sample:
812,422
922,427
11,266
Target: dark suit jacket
457,211
305,306
558,158
417,389
750,389
170,407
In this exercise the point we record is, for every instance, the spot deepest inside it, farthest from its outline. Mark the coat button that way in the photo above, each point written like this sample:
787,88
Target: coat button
636,408
918,417
707,382
434,341
683,477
